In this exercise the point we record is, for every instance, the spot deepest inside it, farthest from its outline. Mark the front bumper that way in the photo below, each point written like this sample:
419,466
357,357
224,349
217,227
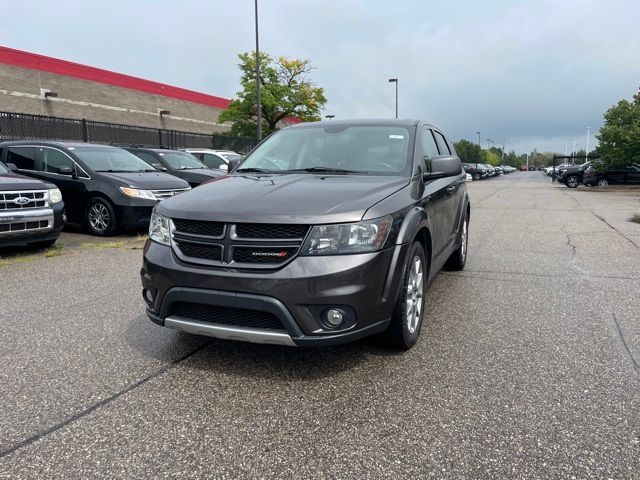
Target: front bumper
364,286
29,237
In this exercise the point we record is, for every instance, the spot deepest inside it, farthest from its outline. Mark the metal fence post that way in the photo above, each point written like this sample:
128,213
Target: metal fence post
160,137
85,131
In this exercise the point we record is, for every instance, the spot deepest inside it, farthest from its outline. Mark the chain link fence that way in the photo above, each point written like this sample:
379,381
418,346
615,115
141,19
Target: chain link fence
25,126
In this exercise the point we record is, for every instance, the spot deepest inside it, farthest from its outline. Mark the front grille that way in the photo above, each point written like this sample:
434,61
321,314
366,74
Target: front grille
32,199
243,245
197,250
267,230
231,316
262,255
23,226
162,194
198,227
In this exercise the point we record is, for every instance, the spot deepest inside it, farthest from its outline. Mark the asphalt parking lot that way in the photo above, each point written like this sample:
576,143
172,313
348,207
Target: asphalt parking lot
528,365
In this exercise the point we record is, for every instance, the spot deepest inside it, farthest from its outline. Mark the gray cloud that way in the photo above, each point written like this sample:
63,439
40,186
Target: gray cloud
534,72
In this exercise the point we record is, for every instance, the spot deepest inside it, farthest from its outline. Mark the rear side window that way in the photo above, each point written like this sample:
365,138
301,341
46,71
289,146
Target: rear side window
52,160
22,157
442,144
429,148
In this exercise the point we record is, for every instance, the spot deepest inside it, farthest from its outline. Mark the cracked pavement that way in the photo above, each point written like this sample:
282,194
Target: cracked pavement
527,366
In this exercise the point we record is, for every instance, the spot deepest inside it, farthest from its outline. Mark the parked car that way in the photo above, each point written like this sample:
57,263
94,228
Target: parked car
220,159
507,169
491,171
104,188
341,227
180,164
468,177
477,170
594,176
31,211
572,175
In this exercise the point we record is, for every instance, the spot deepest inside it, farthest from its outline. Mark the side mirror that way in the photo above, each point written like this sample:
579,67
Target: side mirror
224,167
12,167
66,170
158,167
232,164
443,166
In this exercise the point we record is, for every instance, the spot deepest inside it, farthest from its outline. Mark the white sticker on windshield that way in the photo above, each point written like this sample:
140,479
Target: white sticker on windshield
397,136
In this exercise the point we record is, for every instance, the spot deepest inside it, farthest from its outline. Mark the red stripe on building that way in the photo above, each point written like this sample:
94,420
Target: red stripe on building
33,61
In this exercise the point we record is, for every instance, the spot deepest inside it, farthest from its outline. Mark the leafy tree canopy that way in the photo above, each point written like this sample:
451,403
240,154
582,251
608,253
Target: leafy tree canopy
286,92
620,135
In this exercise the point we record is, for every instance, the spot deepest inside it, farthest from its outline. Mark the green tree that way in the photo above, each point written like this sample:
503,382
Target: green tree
620,134
468,152
286,92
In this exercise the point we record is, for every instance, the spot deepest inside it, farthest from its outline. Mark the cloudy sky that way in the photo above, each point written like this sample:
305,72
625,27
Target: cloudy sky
535,72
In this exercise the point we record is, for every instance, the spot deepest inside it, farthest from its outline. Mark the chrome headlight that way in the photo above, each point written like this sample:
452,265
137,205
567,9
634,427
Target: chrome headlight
136,193
361,237
159,230
54,196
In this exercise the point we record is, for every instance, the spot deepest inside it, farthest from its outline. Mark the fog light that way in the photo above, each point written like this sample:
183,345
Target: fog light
333,317
148,296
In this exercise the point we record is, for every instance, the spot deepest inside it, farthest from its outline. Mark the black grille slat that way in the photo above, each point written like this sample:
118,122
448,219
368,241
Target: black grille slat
206,252
237,317
263,255
199,227
268,230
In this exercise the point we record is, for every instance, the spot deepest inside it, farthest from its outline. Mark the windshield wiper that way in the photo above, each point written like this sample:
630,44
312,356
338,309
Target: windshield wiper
119,171
323,170
254,170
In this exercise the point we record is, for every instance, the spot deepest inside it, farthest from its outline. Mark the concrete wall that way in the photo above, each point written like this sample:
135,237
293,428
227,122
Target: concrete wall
77,98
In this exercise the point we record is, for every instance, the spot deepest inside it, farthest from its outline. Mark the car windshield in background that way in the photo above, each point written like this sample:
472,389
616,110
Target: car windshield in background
110,159
182,161
374,149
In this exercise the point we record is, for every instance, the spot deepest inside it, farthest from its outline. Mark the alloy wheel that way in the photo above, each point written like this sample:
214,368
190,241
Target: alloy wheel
602,183
572,182
464,240
414,294
99,217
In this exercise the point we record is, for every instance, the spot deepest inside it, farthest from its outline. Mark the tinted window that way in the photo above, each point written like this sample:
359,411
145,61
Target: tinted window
442,144
429,148
380,149
53,159
23,157
213,161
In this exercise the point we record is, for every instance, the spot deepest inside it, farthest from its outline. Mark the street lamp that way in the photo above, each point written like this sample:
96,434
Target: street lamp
488,143
258,103
478,133
587,151
395,80
329,116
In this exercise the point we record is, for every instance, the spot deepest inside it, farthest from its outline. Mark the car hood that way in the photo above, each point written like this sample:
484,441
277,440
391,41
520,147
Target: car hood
293,198
198,175
11,181
148,180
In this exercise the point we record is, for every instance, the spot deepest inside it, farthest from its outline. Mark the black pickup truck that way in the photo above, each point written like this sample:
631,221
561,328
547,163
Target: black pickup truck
31,211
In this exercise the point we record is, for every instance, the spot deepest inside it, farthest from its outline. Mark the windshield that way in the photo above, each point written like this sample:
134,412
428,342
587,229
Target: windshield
376,149
181,160
110,159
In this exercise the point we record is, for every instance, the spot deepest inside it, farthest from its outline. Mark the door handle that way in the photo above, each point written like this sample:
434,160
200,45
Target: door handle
451,189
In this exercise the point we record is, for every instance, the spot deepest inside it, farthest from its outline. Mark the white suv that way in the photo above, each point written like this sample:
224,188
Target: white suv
220,159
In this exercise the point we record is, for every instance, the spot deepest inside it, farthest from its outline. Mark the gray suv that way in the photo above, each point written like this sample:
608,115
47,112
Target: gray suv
326,233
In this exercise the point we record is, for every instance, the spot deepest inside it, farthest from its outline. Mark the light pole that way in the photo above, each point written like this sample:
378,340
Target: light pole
329,116
478,133
395,80
258,102
587,151
488,143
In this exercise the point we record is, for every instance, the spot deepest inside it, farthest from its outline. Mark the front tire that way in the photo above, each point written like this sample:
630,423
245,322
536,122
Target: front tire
572,181
101,217
404,329
603,183
477,176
